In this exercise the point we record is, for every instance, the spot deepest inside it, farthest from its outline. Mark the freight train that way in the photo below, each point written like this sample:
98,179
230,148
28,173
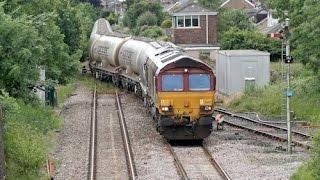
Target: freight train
177,89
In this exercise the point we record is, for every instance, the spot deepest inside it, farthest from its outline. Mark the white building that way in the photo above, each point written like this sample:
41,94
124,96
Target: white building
238,69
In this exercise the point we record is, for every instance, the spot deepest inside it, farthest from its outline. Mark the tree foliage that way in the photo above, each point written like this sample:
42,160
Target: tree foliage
147,18
232,18
304,16
140,7
49,33
152,32
21,51
250,39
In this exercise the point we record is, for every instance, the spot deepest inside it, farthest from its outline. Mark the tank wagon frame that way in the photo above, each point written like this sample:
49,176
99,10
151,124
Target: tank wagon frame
162,76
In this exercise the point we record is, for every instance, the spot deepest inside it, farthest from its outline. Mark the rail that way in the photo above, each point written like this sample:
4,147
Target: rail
92,150
267,134
262,123
126,141
214,163
182,172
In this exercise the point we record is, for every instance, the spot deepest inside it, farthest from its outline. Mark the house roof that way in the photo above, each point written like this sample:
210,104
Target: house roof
245,1
191,7
265,29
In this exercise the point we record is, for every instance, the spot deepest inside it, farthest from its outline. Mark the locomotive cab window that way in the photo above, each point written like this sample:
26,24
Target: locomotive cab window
199,82
172,82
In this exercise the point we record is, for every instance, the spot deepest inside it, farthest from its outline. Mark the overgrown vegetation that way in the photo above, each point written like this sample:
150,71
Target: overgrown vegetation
53,34
102,87
305,36
310,170
145,17
64,92
268,100
305,103
27,128
251,39
49,33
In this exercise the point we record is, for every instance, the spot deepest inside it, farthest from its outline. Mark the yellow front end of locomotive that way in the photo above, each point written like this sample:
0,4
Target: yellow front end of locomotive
185,105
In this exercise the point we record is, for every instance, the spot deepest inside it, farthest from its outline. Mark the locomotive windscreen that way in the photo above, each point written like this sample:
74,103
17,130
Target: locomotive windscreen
199,82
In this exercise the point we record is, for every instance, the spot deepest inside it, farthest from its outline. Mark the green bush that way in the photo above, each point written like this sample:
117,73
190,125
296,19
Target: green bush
26,149
276,71
265,100
235,38
140,7
26,137
311,169
112,18
268,100
152,32
147,18
64,92
166,23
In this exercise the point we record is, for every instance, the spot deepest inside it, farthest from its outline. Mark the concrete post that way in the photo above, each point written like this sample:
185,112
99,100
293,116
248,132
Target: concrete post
288,89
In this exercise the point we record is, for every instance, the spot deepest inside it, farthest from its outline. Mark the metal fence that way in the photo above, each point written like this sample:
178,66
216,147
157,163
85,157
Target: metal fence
2,158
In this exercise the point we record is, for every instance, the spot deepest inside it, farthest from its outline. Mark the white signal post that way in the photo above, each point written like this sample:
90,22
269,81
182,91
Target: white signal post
288,93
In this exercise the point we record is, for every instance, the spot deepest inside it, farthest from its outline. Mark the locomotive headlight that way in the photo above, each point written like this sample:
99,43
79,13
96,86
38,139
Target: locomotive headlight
207,108
165,108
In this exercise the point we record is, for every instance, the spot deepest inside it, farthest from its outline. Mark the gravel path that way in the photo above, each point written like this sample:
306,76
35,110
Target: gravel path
72,148
111,159
248,156
152,159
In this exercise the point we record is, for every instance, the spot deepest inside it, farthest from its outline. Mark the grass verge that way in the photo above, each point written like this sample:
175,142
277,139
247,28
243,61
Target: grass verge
102,87
64,92
27,130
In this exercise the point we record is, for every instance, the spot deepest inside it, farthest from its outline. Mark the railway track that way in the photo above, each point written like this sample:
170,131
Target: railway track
99,152
93,137
128,150
269,130
196,162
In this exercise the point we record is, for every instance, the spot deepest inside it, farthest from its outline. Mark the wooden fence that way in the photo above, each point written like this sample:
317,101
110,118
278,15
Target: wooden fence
2,157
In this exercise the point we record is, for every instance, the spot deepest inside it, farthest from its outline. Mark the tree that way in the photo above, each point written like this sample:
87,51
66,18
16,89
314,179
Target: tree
147,18
232,18
54,34
140,7
250,39
304,16
20,52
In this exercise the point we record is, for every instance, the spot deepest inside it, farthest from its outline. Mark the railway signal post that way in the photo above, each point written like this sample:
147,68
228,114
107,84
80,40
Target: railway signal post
288,60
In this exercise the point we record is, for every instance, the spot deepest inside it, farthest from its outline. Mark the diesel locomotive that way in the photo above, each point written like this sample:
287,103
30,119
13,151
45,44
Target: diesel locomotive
177,89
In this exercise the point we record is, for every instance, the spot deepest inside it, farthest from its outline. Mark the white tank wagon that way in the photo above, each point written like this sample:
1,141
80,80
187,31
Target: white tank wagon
177,89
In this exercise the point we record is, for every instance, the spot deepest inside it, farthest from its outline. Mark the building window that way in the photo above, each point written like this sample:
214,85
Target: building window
180,21
195,21
186,21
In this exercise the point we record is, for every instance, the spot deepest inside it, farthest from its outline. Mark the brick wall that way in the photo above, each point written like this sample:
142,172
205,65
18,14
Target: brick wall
212,29
197,35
